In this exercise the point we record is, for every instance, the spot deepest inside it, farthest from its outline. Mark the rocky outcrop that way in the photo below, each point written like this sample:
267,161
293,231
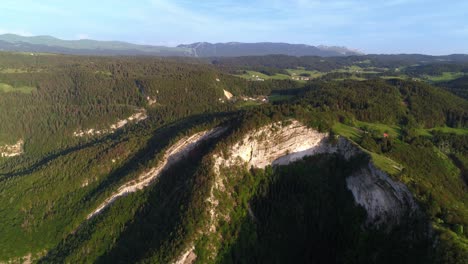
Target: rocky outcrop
279,144
188,257
385,200
175,153
135,118
228,95
12,150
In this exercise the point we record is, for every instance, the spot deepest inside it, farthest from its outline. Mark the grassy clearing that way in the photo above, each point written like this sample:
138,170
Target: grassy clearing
400,77
299,71
458,131
392,130
357,69
6,88
445,77
354,132
386,164
347,131
423,132
249,76
448,130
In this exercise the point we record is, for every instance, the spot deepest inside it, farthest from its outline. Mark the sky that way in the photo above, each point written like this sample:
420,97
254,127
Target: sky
371,26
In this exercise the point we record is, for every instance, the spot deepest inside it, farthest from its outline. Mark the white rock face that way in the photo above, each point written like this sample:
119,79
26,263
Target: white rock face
172,155
188,257
385,200
137,117
228,95
12,150
280,145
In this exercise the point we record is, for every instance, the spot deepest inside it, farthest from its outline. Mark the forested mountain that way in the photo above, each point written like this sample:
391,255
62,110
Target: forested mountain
179,160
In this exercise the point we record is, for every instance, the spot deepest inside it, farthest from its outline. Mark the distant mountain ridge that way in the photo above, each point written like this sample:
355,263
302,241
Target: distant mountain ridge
236,49
48,44
11,42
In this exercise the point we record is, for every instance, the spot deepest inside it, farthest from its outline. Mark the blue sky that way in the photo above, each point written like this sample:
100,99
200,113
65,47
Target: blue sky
373,26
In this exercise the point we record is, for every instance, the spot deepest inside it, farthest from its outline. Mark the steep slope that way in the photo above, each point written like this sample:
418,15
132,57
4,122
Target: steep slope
458,86
387,203
174,154
385,200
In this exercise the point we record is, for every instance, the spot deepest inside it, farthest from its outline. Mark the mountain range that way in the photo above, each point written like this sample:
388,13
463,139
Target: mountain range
48,44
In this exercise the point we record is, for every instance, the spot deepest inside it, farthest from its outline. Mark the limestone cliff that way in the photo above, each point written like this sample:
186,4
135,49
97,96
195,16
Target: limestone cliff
385,200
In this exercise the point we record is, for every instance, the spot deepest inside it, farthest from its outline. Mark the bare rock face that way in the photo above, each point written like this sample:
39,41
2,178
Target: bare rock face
12,150
280,145
135,118
385,200
228,95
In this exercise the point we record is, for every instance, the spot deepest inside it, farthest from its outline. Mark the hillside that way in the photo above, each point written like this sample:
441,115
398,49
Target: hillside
458,86
169,160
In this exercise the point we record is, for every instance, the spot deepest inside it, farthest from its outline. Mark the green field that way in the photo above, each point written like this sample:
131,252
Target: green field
451,130
252,75
347,131
299,71
393,131
249,76
357,69
445,77
354,132
6,88
400,77
381,161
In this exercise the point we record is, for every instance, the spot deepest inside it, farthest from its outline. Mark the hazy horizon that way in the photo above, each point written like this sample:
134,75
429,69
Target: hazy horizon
383,27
